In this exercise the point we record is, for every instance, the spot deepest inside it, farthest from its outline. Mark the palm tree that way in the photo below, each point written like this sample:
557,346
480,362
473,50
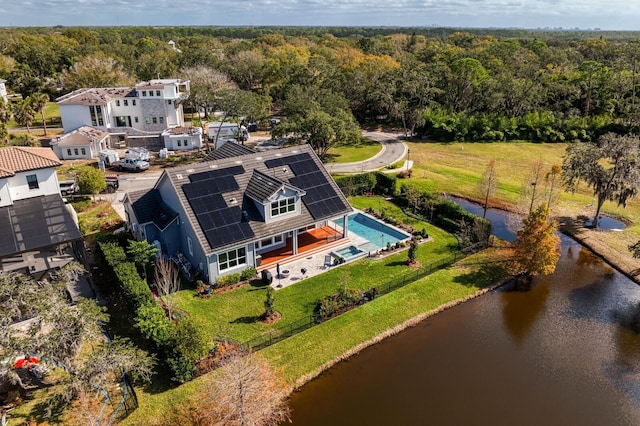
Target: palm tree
24,113
5,111
39,102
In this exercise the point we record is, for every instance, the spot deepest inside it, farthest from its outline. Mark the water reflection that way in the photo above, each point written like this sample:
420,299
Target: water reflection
566,351
521,307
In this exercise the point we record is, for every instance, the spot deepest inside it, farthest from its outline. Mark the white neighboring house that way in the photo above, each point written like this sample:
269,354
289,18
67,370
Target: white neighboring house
37,227
132,116
3,90
150,106
182,138
84,142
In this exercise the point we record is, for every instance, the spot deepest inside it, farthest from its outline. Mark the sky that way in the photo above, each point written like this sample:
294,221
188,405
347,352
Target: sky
568,14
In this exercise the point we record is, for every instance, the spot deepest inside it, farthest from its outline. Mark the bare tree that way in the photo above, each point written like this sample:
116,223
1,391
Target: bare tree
244,392
551,179
167,282
488,185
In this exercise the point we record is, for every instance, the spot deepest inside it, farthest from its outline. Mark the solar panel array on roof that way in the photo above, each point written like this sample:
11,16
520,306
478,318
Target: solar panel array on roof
221,224
321,199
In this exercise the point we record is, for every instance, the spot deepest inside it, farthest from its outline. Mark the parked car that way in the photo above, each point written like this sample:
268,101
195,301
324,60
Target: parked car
68,187
131,165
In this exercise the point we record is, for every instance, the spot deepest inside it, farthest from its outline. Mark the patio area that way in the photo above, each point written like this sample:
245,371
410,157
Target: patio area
308,242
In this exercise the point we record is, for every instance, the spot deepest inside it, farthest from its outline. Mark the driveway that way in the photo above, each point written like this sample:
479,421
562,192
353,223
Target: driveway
393,150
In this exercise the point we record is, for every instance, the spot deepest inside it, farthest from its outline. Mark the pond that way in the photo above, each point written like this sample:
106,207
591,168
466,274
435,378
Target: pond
566,351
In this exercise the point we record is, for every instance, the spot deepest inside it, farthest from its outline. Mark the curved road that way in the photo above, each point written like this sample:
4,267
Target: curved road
393,150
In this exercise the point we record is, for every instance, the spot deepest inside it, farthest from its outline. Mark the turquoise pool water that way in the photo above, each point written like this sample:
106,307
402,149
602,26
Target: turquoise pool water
373,230
349,252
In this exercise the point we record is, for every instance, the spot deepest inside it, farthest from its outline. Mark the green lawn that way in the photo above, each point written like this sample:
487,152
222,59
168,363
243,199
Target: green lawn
235,314
457,168
367,148
51,114
308,351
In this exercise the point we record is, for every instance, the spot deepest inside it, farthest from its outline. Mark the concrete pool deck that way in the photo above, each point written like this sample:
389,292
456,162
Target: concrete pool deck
314,263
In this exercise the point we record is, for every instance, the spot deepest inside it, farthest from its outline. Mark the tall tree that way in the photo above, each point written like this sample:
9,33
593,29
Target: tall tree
537,245
95,70
91,181
66,336
39,101
245,392
488,185
167,282
24,113
611,167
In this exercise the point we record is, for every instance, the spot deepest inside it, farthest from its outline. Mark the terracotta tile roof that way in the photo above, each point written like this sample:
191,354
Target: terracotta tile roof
14,159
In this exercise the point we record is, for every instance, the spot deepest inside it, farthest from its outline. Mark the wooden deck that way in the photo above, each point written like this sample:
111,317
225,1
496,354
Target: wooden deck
311,241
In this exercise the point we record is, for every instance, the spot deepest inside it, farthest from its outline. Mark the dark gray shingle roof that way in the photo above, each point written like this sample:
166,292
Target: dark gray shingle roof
228,150
148,206
262,186
228,207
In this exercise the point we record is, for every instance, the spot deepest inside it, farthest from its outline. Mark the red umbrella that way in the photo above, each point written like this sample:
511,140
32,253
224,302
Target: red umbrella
23,362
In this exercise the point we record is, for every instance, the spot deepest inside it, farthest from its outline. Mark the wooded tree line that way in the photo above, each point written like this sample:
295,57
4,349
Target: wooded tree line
449,85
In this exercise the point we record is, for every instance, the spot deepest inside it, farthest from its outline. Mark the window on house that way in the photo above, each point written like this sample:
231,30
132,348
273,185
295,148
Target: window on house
117,102
133,102
179,142
186,142
155,120
144,93
157,93
284,206
169,102
161,120
121,121
99,115
75,151
32,181
68,151
83,151
135,119
150,92
190,245
126,102
94,119
147,120
232,258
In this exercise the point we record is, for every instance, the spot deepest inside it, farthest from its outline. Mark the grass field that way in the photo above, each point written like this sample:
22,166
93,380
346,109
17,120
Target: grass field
308,351
236,312
351,153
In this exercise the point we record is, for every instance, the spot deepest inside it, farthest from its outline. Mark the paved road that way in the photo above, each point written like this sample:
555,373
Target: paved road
129,182
393,150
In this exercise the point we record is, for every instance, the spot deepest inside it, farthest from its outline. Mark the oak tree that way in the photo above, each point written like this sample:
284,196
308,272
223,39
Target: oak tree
611,167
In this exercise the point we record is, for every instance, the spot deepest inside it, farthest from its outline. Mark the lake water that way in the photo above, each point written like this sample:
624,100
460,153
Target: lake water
565,352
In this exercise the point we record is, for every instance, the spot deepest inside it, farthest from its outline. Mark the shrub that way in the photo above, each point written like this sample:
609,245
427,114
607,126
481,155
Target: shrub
328,306
228,280
248,273
413,250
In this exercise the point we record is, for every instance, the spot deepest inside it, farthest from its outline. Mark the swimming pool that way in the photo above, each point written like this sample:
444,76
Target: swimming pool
371,229
349,253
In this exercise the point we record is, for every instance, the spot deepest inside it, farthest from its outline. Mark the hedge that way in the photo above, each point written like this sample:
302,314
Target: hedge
363,183
150,317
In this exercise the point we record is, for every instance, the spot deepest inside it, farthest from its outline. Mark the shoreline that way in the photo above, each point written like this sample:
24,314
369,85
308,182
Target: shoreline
411,322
